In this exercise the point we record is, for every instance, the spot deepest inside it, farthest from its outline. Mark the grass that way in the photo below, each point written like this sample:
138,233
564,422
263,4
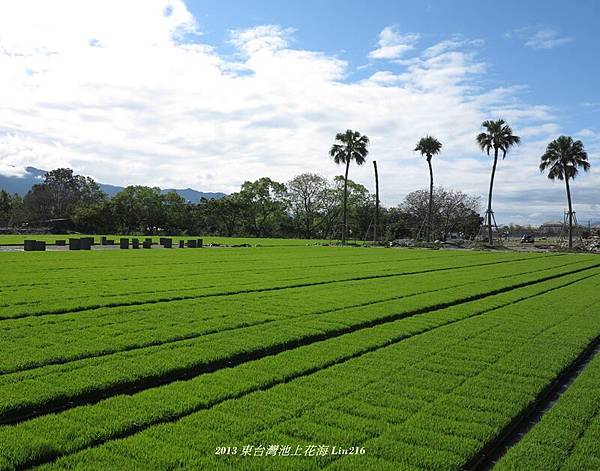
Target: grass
153,359
12,239
568,435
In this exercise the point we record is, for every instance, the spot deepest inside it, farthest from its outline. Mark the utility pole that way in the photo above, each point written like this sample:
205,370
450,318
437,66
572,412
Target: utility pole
375,238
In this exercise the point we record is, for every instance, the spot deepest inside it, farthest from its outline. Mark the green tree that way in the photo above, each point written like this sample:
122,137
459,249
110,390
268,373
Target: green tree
429,146
398,223
97,218
60,194
360,206
38,204
306,194
563,159
348,146
138,208
264,205
499,138
331,208
224,215
174,212
5,208
17,211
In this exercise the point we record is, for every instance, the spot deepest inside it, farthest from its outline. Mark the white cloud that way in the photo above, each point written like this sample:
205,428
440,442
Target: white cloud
451,44
586,133
591,104
261,38
547,39
540,38
18,151
137,98
392,44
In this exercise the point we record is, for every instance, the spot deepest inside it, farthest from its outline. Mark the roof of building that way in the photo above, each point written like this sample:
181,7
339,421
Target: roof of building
552,223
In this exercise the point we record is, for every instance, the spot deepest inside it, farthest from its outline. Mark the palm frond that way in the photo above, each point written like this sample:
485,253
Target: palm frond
564,157
428,146
349,145
499,137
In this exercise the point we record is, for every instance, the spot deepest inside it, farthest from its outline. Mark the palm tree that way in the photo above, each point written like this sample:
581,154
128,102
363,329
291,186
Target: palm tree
428,146
348,146
499,137
563,159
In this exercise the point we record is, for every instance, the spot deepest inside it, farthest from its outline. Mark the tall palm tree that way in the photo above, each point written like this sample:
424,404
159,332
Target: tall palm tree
348,146
563,159
500,138
428,146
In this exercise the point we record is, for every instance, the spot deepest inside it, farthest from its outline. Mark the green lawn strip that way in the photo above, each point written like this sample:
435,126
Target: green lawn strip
82,380
272,405
99,333
55,434
586,454
567,436
82,427
61,303
485,403
208,239
447,432
185,269
385,390
68,265
23,269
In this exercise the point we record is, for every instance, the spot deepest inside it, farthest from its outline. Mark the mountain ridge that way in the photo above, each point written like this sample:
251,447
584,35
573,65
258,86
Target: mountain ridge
22,184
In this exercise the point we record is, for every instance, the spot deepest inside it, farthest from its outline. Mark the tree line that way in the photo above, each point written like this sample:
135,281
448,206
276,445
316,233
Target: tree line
308,206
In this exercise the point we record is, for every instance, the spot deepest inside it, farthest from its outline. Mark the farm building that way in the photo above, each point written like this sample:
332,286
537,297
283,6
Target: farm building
551,228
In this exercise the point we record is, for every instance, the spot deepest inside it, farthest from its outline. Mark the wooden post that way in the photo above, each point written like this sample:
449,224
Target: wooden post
375,238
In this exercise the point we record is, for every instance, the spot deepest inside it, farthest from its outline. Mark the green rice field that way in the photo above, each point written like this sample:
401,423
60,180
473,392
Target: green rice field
295,357
17,239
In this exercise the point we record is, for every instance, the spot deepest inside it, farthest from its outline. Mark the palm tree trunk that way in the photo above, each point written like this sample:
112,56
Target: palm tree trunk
345,216
375,234
489,208
430,209
570,212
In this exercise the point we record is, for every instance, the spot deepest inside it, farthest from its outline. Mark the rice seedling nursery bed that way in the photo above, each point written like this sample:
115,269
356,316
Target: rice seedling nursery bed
289,356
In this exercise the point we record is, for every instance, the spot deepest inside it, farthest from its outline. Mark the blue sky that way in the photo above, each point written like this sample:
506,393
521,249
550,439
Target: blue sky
207,94
562,73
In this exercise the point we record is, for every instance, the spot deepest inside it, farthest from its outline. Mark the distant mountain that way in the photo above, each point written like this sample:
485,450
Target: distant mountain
21,185
195,196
